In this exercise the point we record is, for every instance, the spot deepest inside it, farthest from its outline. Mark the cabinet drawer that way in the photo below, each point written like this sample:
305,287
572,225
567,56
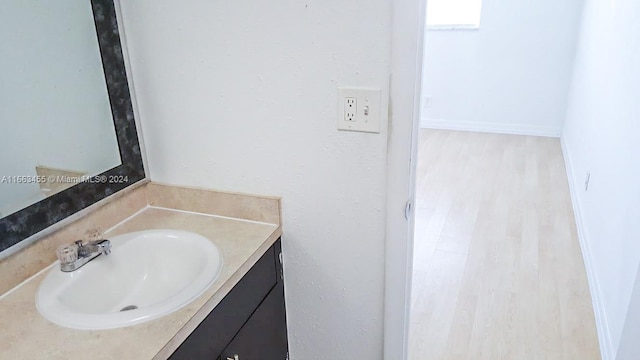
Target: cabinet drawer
213,334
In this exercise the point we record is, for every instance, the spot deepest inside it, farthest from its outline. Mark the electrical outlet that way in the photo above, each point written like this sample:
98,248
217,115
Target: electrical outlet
350,106
359,109
426,102
586,181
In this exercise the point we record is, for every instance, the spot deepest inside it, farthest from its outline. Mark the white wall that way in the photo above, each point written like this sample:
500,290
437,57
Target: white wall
241,96
601,136
54,106
512,75
629,348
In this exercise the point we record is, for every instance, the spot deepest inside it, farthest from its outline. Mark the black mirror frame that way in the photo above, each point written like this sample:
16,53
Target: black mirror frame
26,222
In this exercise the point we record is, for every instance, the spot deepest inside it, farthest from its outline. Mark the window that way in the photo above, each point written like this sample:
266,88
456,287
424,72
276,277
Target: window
453,14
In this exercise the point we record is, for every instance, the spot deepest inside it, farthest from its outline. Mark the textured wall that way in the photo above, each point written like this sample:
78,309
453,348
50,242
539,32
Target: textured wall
241,96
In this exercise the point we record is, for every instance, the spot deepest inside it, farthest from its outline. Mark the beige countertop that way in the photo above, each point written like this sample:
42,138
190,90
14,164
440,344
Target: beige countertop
28,335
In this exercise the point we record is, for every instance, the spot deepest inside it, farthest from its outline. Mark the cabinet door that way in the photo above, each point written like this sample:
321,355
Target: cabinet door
224,322
264,335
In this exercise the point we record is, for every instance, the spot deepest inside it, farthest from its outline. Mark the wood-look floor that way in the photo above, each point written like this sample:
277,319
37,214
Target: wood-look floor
498,271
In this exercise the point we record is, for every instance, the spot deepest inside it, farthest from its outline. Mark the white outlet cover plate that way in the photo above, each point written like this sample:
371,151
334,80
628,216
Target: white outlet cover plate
367,117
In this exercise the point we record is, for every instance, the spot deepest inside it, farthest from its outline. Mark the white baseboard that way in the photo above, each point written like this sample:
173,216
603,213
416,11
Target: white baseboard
602,324
499,128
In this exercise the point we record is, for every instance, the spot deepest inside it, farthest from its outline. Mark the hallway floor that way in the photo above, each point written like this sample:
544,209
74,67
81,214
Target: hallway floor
498,271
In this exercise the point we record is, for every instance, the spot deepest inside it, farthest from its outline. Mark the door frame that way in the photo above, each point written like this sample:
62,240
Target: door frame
407,42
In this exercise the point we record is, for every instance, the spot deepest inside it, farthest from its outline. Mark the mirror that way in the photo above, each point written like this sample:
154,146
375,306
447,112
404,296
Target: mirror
69,137
53,100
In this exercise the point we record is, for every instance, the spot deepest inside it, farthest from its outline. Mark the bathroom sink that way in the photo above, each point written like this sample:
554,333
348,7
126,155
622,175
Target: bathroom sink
148,274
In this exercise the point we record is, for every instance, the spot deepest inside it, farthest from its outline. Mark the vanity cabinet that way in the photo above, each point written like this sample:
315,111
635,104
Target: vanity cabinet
249,323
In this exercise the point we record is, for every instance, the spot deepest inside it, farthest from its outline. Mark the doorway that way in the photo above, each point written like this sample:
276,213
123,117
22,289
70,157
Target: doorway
497,268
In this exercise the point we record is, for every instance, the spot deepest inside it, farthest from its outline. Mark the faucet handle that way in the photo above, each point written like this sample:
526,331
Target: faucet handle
105,246
68,253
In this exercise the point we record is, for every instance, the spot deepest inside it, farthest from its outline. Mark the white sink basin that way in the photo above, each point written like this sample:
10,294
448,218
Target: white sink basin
153,273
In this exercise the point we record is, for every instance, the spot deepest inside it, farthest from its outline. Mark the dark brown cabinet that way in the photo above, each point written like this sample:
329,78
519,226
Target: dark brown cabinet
249,323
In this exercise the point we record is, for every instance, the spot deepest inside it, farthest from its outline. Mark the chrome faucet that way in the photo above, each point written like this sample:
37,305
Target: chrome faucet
74,256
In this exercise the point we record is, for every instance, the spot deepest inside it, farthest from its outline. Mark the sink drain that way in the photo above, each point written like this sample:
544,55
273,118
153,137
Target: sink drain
129,307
